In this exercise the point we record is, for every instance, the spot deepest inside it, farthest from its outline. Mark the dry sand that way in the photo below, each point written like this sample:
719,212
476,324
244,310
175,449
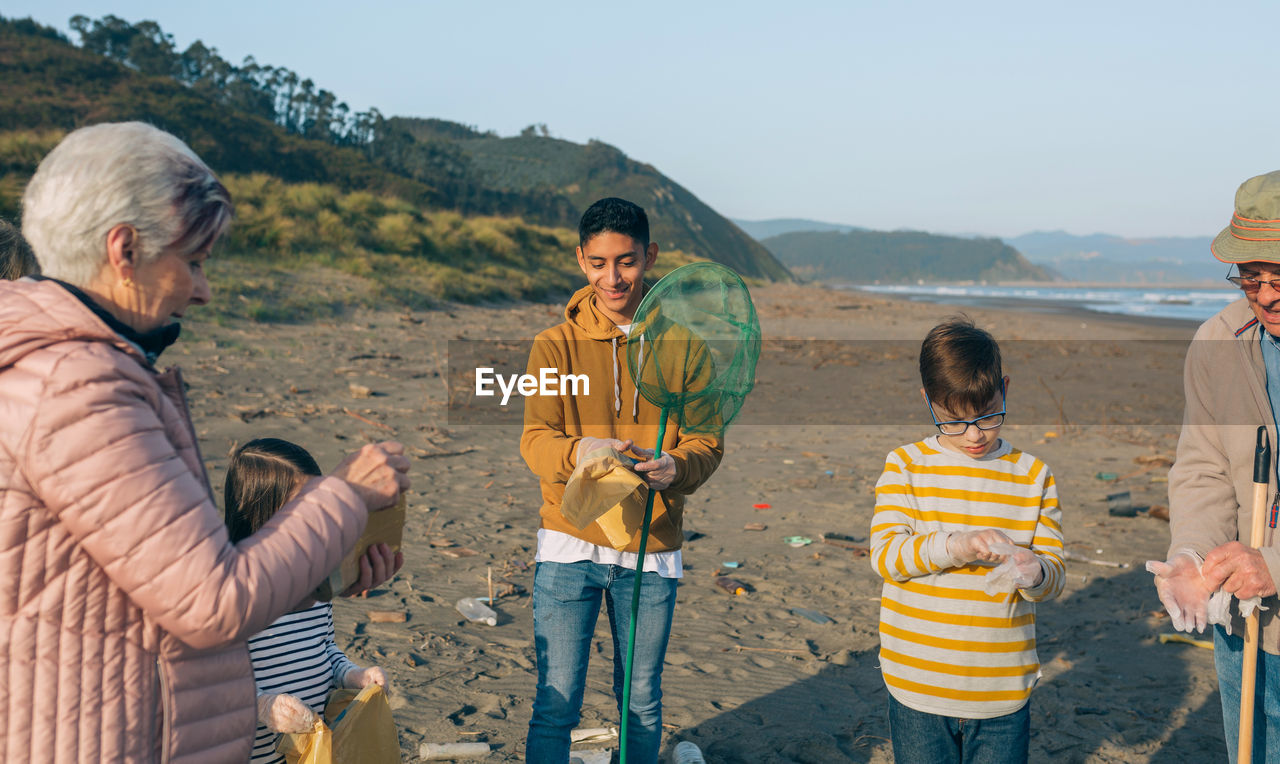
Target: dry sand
746,679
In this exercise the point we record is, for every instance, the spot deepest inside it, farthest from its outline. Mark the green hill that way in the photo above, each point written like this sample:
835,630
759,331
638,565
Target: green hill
539,164
898,257
255,118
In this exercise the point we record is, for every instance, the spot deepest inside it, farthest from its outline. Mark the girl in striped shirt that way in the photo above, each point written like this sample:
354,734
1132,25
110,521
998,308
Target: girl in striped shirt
295,660
957,654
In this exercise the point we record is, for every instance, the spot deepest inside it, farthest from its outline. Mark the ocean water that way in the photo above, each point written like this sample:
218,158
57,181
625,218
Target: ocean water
1195,304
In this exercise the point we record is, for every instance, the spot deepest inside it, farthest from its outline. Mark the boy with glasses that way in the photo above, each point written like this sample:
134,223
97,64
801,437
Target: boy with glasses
959,662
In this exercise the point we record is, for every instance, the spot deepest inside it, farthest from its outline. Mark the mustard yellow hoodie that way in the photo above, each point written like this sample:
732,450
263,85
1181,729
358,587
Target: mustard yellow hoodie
589,343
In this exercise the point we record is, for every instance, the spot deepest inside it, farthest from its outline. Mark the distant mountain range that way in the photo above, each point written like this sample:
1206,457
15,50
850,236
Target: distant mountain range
900,257
1060,255
1104,258
763,229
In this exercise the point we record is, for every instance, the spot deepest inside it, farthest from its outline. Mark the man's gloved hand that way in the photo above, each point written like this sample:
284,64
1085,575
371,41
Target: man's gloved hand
975,546
588,445
659,473
285,713
1182,590
1021,569
360,678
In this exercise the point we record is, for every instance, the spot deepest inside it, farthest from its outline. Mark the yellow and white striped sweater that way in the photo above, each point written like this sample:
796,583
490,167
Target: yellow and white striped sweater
946,646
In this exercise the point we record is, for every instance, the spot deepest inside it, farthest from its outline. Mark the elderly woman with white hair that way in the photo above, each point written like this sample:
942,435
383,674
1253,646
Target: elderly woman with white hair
125,608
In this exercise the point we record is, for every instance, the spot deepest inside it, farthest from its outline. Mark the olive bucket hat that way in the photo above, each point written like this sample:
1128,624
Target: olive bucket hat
1254,233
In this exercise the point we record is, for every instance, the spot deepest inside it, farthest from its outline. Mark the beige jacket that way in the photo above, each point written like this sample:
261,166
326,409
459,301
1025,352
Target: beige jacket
1211,482
125,609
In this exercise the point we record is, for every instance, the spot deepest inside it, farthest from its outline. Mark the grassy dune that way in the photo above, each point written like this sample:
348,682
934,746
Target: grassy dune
299,251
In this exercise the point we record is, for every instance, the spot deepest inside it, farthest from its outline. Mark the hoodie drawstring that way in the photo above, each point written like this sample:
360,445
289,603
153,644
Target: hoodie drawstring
617,387
635,398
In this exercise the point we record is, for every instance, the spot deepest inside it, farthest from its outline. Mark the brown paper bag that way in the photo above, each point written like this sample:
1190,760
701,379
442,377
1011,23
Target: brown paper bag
604,490
385,526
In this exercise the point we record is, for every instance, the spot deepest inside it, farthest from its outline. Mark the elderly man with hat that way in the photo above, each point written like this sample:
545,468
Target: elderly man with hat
1232,385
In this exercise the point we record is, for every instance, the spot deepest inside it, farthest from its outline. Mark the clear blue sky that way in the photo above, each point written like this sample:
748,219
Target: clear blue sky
1134,118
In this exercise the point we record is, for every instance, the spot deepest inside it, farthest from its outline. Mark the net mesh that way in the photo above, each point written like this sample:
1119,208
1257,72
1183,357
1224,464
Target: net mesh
693,346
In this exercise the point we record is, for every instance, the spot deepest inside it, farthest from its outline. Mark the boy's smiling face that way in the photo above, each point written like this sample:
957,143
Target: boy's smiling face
973,442
615,265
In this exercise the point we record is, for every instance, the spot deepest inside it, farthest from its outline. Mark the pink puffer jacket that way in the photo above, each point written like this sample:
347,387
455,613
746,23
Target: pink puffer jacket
124,610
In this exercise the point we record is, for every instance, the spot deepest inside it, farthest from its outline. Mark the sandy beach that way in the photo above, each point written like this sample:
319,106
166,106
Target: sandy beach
747,679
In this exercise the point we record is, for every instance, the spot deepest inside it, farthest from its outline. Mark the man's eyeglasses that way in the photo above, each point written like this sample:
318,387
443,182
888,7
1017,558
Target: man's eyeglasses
1253,283
961,426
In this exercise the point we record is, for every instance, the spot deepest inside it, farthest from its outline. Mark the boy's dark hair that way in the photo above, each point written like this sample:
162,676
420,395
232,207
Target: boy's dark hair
263,474
614,215
16,258
960,366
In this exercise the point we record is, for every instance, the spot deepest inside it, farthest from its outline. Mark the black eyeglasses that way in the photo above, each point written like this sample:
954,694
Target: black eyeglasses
961,426
1251,283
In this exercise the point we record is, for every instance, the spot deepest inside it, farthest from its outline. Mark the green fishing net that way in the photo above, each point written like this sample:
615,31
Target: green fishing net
692,352
693,346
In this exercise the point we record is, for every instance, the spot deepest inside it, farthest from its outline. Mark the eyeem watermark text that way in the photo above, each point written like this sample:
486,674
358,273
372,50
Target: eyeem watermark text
547,382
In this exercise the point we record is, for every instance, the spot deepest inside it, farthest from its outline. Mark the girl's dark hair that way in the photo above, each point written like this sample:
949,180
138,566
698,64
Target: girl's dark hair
960,366
16,258
614,215
263,474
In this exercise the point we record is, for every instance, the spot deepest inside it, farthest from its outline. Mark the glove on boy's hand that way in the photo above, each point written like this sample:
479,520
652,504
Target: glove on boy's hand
1021,569
1182,590
975,546
588,445
285,713
659,473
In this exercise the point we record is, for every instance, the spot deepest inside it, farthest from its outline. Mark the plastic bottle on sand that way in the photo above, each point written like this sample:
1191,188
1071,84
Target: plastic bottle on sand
731,585
687,753
476,611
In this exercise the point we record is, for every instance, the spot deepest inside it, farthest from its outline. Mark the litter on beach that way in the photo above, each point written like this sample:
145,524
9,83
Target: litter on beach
1077,557
1186,640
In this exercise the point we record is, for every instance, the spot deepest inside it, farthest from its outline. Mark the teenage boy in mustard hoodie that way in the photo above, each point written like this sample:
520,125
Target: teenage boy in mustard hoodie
577,568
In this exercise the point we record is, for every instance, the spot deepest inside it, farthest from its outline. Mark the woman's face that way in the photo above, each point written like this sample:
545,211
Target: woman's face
163,289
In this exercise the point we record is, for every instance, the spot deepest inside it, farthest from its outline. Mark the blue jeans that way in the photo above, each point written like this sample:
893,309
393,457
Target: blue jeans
566,603
921,738
1228,658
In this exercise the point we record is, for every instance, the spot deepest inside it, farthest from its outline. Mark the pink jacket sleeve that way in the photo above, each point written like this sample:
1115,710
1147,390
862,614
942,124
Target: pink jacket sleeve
100,459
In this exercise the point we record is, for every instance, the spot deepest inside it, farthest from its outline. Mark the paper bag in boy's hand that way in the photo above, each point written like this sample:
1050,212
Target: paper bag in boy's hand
604,490
385,526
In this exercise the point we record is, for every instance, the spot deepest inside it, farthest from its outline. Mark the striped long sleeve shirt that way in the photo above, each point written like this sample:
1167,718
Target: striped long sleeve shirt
296,655
946,646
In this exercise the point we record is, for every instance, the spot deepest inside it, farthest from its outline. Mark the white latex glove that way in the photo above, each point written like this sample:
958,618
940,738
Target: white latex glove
285,713
659,473
1021,569
1182,590
1220,608
1249,604
588,445
975,546
358,678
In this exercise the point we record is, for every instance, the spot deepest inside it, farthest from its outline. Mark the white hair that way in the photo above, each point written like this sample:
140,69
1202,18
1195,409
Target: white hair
126,172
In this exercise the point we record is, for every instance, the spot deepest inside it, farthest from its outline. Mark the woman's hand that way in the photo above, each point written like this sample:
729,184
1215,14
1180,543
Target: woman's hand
378,473
377,566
